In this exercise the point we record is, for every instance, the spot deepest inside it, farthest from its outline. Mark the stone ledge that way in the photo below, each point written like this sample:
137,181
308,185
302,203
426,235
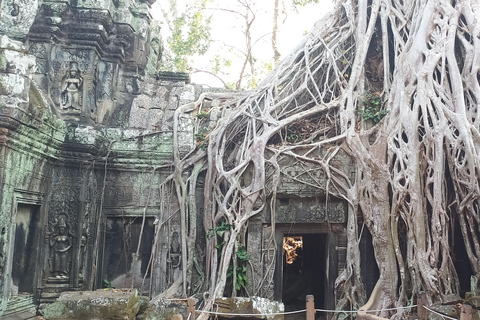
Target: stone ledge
100,304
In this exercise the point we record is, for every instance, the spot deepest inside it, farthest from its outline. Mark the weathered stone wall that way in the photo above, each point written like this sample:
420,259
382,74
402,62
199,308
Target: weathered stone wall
28,152
85,142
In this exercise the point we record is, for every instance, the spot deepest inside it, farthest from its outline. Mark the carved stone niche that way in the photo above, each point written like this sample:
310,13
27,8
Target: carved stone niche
59,266
71,84
83,55
60,243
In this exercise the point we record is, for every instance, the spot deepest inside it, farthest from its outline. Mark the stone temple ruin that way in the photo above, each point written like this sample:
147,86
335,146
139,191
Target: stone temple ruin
85,138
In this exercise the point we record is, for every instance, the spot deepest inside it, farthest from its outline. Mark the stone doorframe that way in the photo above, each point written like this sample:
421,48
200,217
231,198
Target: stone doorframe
27,198
336,235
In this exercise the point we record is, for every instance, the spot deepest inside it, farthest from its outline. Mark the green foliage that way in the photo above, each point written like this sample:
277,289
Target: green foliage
219,64
292,137
190,35
203,114
219,230
372,107
107,285
302,3
242,279
201,137
242,254
241,271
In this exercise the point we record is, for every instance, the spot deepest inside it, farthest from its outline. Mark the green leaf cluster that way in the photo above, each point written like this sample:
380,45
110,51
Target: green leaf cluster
372,107
203,114
241,271
201,137
107,285
302,3
190,35
219,230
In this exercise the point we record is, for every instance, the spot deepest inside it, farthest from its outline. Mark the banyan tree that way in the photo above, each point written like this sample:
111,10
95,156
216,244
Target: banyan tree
395,85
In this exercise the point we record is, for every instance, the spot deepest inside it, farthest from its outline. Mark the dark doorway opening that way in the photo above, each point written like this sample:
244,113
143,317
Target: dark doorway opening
120,269
306,273
369,267
25,250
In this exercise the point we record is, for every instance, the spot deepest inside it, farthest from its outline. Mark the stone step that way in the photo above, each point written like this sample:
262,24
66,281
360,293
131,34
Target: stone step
20,307
26,315
18,304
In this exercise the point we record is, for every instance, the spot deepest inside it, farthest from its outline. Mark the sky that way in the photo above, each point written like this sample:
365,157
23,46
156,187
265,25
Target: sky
227,29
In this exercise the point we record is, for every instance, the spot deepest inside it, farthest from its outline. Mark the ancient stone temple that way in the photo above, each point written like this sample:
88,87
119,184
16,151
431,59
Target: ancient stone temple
85,141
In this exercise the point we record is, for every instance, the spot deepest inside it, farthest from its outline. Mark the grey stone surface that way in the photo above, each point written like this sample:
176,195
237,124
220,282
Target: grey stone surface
100,304
166,308
17,17
265,308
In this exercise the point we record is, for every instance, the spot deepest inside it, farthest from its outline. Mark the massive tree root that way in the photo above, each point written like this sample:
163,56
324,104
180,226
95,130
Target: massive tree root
417,171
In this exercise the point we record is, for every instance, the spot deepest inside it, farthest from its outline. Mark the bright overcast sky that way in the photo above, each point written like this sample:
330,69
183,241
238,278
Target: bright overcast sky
228,29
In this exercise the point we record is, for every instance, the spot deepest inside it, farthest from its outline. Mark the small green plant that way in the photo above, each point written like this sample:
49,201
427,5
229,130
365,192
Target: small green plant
242,258
203,114
292,137
219,230
203,145
372,107
201,137
107,285
242,254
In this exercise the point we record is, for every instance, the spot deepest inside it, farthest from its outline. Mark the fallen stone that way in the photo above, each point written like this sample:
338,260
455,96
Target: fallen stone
451,299
262,308
448,310
473,300
101,304
166,309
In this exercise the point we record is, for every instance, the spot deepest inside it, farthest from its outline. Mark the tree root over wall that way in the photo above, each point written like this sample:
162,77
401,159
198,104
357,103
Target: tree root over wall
416,170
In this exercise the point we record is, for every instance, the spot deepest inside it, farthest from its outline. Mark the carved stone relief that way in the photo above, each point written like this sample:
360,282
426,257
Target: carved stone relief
72,89
174,258
60,242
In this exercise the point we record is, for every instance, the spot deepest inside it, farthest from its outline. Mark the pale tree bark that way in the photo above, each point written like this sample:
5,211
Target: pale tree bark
416,170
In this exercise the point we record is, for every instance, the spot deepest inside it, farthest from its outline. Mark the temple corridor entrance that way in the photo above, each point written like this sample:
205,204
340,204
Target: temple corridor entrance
309,259
120,268
25,247
304,267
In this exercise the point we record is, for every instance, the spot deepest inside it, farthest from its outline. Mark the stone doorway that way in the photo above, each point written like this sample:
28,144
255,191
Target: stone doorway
25,248
317,262
304,266
121,267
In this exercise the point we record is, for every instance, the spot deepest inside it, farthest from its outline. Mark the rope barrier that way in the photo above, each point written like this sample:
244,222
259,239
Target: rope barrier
300,311
250,314
352,311
444,316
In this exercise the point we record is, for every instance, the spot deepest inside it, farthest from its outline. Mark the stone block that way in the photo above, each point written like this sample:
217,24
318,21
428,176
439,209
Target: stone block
265,308
100,304
166,308
473,300
447,309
